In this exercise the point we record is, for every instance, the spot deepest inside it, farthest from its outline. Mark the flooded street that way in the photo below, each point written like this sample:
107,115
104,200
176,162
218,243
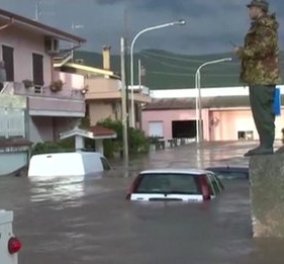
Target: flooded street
87,220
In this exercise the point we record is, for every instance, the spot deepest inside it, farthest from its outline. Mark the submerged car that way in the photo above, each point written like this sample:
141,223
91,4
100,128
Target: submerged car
175,185
230,172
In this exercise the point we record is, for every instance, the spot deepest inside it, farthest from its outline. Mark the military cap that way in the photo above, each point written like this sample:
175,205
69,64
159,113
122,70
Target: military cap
264,5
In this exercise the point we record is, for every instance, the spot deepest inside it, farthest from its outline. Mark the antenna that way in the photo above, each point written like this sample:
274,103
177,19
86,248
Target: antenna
40,5
37,10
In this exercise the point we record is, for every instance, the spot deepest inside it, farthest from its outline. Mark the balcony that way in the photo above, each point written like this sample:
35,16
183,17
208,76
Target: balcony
44,102
107,89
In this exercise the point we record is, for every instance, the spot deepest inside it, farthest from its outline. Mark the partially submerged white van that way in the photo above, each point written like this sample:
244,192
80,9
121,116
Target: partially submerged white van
67,164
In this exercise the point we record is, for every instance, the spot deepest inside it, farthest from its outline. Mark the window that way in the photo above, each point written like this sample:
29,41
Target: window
215,184
156,129
38,69
105,164
245,135
168,183
8,58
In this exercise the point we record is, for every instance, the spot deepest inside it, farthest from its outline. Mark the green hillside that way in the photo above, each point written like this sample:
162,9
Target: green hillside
166,70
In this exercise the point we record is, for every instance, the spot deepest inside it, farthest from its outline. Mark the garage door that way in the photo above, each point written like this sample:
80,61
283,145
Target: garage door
156,129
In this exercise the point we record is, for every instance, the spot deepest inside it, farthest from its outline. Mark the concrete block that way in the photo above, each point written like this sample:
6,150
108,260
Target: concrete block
267,195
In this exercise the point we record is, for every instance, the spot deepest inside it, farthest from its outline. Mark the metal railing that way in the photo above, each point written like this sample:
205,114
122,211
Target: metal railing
12,123
41,91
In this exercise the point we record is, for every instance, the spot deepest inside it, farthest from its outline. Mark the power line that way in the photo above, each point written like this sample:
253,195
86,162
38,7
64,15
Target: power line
189,69
169,64
173,57
192,75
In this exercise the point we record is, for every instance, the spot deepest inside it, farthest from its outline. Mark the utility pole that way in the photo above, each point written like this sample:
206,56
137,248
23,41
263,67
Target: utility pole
124,103
139,73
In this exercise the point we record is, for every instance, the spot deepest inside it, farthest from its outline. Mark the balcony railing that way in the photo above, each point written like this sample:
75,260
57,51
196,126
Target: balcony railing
12,123
42,101
45,91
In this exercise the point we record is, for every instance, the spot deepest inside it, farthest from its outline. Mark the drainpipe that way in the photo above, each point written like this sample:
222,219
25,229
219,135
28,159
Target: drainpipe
8,24
64,61
2,28
74,48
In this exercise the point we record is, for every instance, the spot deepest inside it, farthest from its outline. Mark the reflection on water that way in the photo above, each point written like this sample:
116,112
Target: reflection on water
87,219
59,188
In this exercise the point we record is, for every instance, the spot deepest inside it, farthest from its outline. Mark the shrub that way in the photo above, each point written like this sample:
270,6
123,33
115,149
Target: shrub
66,145
138,143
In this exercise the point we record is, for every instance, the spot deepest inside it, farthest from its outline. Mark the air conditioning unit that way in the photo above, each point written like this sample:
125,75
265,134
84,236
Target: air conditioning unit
51,45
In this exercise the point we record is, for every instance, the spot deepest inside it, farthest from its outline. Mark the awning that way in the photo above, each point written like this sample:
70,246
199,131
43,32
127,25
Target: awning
83,69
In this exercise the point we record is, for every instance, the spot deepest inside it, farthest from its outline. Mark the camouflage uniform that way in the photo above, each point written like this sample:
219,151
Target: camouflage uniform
260,70
259,56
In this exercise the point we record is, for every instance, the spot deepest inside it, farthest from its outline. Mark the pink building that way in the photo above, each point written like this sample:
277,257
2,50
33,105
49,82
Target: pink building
224,118
28,49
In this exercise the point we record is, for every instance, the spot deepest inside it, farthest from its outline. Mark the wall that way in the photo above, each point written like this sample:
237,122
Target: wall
225,124
63,124
232,121
101,110
10,162
48,106
41,129
25,44
219,124
48,128
166,116
70,80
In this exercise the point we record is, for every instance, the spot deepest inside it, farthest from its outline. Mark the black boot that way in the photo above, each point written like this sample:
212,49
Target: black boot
260,150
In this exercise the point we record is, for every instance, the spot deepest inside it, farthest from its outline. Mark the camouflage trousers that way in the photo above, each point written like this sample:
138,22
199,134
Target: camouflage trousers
261,101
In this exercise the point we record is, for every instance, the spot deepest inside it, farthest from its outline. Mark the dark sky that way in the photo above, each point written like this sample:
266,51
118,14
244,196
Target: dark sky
211,24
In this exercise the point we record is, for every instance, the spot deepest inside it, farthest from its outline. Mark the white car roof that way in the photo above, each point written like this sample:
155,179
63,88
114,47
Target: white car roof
177,171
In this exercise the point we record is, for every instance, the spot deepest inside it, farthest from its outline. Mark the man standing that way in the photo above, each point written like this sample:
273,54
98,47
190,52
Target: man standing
260,70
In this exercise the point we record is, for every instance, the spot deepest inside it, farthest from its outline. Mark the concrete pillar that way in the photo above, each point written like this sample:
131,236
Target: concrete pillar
267,195
100,146
79,143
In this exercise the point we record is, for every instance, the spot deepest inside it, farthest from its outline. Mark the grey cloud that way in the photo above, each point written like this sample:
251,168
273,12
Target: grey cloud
211,23
109,2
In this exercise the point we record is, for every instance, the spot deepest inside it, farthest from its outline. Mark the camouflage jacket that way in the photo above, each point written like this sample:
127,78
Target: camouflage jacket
259,56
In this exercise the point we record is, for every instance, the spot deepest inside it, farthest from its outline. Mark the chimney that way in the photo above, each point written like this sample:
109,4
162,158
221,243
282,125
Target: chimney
106,57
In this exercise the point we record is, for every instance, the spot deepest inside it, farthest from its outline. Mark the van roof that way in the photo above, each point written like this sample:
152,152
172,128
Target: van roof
82,153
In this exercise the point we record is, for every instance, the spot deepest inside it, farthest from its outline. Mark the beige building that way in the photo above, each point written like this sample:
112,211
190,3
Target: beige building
103,91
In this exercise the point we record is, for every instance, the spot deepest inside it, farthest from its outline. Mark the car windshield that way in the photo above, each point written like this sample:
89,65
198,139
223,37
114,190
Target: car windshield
168,184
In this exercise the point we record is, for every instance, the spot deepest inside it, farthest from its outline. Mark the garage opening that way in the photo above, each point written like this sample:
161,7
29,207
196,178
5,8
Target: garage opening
184,129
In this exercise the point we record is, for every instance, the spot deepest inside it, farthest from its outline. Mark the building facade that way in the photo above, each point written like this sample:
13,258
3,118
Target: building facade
27,50
225,113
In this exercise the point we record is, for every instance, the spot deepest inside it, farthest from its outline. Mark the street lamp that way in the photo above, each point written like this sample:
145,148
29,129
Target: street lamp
179,22
198,106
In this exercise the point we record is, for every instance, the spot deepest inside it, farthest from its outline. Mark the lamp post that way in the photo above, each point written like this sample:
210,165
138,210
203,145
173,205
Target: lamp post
198,106
179,22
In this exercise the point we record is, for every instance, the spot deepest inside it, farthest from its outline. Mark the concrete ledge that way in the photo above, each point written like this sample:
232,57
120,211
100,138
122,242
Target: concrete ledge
267,195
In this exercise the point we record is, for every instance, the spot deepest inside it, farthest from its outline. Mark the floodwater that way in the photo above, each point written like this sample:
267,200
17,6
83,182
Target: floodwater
77,220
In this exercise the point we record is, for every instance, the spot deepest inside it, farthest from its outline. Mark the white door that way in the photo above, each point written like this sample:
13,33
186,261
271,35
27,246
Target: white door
156,129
